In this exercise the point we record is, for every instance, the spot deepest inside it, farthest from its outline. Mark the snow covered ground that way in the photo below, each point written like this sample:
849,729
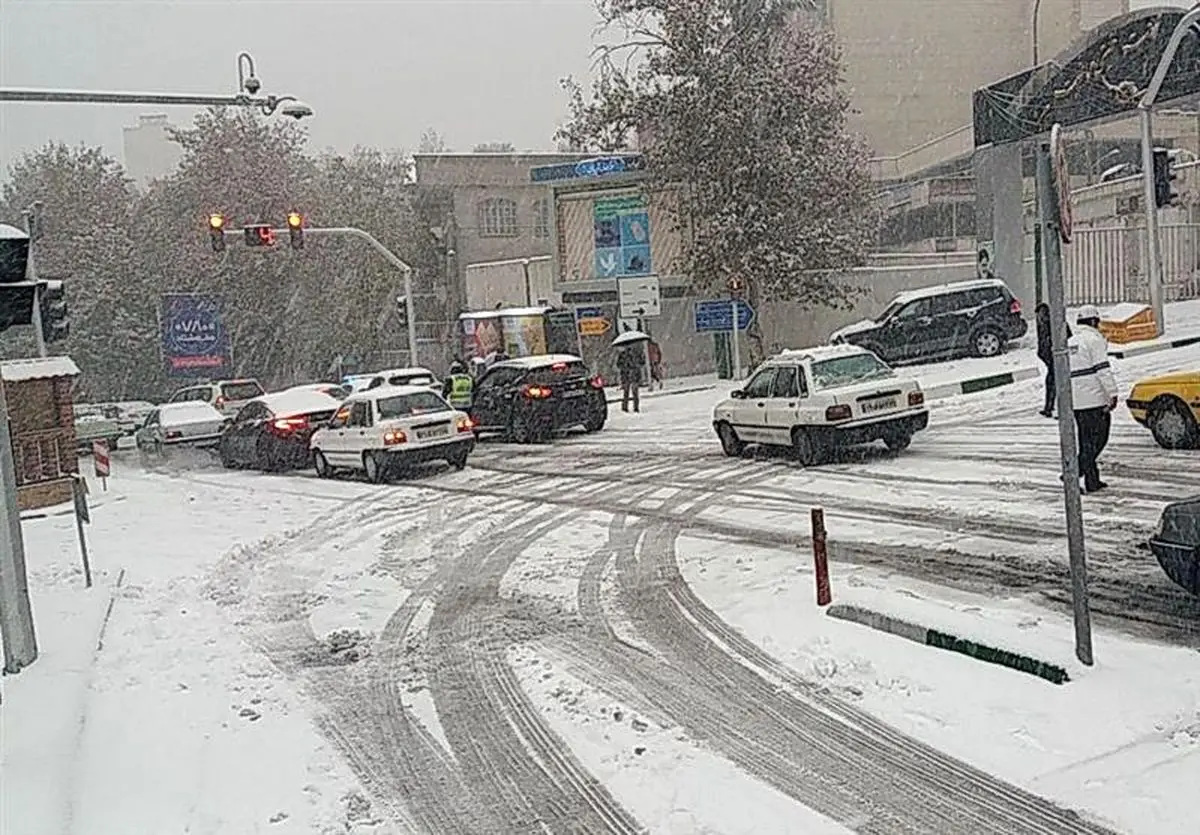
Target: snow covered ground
284,654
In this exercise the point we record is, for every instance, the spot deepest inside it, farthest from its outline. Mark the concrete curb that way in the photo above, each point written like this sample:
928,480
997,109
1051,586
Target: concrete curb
942,640
652,395
978,384
1181,342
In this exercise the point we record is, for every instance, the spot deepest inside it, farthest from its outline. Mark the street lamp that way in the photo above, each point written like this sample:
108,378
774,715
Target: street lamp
528,291
247,96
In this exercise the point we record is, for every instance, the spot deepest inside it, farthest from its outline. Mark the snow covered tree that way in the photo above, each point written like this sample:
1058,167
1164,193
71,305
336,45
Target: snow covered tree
85,217
432,142
740,102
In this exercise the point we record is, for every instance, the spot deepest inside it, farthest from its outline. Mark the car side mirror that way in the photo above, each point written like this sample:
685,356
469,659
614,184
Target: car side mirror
738,394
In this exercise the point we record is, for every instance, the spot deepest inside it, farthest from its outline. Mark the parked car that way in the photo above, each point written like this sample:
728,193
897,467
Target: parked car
340,392
978,318
413,376
272,432
387,429
530,398
1176,543
1169,406
190,424
91,424
129,414
816,400
226,396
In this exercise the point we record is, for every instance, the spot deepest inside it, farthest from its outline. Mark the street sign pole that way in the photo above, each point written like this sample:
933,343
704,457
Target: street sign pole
16,615
737,346
1051,220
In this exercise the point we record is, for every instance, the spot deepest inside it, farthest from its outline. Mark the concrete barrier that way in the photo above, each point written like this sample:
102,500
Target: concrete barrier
1122,352
943,640
978,384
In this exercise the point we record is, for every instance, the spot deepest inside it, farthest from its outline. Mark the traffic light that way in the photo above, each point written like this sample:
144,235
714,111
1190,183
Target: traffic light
402,310
16,294
260,234
1164,195
737,285
216,232
52,304
295,222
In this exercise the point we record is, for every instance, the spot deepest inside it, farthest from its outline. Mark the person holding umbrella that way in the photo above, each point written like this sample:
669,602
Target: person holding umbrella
630,361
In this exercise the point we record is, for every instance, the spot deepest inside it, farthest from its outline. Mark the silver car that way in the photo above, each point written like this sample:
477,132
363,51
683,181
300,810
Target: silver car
192,425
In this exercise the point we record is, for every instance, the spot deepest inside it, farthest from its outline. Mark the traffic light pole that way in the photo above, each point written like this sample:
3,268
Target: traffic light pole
1154,267
388,255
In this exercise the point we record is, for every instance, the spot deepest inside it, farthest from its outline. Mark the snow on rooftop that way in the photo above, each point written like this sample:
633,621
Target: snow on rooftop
10,232
298,402
539,361
40,368
952,287
821,352
1123,311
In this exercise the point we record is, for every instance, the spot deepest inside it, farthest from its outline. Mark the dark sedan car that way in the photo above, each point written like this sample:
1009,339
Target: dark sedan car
271,432
530,398
1176,544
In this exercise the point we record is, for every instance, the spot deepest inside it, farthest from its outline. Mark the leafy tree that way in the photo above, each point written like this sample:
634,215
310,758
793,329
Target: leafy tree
740,103
85,217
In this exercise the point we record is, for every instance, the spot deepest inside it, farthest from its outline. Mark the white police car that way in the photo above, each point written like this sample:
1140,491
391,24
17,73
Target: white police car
815,400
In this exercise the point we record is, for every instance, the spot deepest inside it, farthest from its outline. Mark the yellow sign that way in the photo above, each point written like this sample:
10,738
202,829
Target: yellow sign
594,327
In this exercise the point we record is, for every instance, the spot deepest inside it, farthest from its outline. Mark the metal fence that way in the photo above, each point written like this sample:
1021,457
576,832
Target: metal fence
1105,265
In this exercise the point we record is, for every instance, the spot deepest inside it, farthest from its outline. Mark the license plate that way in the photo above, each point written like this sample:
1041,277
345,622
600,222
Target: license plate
883,405
576,393
430,433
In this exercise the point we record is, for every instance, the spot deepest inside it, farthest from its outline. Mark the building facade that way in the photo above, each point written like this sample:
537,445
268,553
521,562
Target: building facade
148,150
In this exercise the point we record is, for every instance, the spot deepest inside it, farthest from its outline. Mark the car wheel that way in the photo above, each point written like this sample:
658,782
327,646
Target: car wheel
374,467
805,447
898,442
321,464
457,461
226,459
987,343
1172,424
731,444
595,422
264,457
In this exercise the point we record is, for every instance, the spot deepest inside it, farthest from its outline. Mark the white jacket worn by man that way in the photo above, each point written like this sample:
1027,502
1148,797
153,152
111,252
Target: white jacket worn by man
1093,385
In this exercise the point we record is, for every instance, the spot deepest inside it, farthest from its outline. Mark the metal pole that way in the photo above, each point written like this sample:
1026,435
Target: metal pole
1039,278
16,615
32,227
1037,7
410,311
1153,247
528,291
1073,504
737,348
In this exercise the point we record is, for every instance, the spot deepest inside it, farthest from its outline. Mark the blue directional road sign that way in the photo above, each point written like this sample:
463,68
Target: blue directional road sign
715,315
582,313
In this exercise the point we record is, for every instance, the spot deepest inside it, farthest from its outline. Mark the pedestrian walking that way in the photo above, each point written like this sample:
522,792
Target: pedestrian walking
629,369
1094,392
654,355
1045,352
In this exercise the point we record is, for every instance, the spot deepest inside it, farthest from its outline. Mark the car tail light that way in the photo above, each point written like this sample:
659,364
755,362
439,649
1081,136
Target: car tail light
916,398
221,401
394,436
839,412
286,426
172,434
1014,306
535,392
597,382
559,366
465,424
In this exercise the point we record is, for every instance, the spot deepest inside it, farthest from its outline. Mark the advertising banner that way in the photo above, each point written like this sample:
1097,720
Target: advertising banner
524,333
194,340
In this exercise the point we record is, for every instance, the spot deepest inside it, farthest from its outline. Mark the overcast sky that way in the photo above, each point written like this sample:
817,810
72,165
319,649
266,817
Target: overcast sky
377,72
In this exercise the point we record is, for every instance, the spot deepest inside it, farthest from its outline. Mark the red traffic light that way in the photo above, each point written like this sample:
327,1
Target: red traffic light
260,234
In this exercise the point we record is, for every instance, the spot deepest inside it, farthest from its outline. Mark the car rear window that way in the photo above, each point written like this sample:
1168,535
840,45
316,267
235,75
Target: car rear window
842,371
241,391
557,372
411,380
407,405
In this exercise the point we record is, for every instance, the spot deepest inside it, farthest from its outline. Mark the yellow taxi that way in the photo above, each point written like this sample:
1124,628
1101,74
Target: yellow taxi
1169,406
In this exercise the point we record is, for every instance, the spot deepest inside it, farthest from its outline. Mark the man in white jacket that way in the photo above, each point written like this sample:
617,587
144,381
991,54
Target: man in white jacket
1093,393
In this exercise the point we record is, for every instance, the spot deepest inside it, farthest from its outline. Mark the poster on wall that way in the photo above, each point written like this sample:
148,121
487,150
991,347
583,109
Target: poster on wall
621,228
985,260
524,334
194,340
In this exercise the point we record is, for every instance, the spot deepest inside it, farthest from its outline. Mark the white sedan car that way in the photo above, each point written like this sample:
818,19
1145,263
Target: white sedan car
390,428
187,424
815,400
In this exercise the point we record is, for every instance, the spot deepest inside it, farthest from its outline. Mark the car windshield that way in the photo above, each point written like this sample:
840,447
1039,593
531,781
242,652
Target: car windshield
889,311
407,405
854,368
241,391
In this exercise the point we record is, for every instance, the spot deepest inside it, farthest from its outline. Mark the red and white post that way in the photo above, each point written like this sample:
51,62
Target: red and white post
820,558
101,461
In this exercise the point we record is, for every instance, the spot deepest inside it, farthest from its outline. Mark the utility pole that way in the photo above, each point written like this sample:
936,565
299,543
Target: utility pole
16,614
1051,214
33,227
528,290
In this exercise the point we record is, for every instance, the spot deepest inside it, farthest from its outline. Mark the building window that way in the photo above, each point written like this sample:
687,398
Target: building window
497,218
541,218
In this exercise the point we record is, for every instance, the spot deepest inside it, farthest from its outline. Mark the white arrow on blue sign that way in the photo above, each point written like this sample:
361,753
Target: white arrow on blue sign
716,315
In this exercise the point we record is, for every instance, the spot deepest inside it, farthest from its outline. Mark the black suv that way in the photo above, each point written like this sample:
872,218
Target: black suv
978,318
530,398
